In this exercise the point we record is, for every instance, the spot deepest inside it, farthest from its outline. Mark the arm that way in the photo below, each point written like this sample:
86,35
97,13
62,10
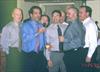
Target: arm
48,49
92,35
5,40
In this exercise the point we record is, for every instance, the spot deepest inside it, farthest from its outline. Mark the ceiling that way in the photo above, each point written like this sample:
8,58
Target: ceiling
52,1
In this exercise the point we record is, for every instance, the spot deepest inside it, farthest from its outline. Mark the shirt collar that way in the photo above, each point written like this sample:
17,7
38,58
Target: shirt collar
86,20
14,24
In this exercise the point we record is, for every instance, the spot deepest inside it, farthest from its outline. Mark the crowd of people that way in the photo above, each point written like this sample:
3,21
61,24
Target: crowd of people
68,42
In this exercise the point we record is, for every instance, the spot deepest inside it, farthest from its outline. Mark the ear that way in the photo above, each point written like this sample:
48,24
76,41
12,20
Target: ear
75,15
31,15
13,15
87,13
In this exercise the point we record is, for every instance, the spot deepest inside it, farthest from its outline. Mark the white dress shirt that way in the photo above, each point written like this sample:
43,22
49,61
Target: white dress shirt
91,36
52,37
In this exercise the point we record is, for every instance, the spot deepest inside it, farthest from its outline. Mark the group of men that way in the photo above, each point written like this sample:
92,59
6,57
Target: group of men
61,47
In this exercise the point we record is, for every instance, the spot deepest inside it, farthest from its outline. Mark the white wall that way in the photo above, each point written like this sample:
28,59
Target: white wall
25,6
95,5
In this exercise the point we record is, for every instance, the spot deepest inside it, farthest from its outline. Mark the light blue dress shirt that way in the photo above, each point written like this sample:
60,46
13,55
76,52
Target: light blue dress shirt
10,36
29,33
52,37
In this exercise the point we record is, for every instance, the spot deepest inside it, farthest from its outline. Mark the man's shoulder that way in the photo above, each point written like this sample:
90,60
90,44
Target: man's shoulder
27,23
77,23
50,26
91,23
8,25
30,22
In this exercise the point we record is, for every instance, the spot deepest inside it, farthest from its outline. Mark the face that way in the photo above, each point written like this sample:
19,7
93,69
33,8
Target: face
70,14
17,15
62,18
36,14
44,20
82,14
56,17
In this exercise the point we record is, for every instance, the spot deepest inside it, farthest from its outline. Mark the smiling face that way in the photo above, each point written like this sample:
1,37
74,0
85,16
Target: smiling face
17,15
71,14
44,20
56,17
83,14
36,15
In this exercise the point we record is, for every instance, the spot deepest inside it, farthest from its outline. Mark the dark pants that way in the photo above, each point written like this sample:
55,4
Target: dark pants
72,60
88,67
13,60
34,62
75,61
98,58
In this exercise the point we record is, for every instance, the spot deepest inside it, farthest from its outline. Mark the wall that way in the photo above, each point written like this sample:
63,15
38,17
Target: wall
47,8
95,5
44,6
25,6
6,7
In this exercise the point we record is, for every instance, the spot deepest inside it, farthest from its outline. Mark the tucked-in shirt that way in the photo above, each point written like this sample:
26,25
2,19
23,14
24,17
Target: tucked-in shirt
52,37
10,36
91,35
29,33
74,35
98,43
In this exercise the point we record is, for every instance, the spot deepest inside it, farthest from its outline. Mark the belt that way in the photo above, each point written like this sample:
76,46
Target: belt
33,52
57,51
13,47
74,49
86,47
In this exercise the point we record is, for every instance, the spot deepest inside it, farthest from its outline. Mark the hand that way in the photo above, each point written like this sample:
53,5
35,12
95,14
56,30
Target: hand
50,64
41,30
5,50
48,46
61,38
88,59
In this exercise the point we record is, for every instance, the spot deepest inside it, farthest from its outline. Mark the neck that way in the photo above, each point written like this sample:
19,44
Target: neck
16,23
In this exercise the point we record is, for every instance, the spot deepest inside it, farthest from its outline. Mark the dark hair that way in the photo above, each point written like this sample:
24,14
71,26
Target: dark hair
56,11
34,7
88,9
48,19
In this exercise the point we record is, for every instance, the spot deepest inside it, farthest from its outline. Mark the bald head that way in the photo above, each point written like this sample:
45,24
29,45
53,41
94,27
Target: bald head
17,15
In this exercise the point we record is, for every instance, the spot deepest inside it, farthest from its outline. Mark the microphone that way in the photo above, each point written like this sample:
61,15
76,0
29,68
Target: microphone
44,24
